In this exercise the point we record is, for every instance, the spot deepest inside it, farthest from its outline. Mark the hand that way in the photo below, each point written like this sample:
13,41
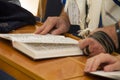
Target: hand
54,25
112,63
94,46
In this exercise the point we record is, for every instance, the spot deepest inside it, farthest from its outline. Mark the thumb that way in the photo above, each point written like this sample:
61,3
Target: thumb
84,43
112,67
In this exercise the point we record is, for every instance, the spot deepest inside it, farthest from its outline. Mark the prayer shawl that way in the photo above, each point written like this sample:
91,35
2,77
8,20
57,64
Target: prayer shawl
87,13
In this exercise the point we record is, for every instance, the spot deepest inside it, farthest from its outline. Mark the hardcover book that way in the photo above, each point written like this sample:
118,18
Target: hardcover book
44,46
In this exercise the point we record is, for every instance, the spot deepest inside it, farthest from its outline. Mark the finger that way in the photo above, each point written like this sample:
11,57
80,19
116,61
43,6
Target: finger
89,64
58,30
41,29
96,48
86,51
91,50
112,67
95,65
110,60
47,29
38,30
84,43
49,26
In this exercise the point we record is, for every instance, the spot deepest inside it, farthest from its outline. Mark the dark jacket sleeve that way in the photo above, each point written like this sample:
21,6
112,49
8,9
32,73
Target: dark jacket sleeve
53,8
117,2
13,1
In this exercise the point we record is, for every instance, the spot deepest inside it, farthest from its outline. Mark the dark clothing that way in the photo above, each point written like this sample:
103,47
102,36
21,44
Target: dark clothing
117,2
13,16
12,1
53,8
5,76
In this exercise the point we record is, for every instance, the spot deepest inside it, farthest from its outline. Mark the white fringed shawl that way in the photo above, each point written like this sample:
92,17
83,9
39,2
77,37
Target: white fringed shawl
76,10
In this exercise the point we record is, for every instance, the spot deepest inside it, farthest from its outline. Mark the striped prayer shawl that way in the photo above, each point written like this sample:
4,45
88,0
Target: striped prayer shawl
86,13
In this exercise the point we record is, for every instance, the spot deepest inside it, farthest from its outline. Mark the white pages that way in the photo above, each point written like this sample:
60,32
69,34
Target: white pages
113,75
35,38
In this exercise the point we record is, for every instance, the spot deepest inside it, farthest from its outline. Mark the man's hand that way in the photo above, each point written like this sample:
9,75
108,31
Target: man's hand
94,46
53,25
112,63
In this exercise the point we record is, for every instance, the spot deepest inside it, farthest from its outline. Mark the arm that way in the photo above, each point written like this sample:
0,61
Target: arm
94,46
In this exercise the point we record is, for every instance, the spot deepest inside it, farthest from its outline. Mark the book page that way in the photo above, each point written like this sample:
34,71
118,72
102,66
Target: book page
47,47
35,38
47,50
112,75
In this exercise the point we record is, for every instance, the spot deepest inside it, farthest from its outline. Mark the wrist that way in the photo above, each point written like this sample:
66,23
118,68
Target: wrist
105,40
65,17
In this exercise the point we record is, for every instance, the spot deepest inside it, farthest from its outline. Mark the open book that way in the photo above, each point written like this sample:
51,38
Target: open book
44,46
112,75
